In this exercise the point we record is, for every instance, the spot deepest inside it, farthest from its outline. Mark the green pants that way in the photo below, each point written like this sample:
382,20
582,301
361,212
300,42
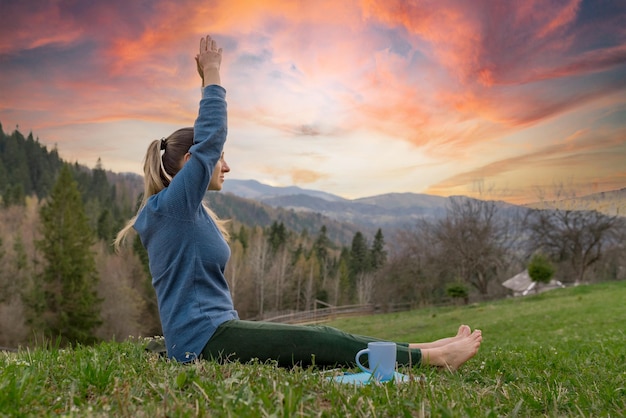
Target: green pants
291,345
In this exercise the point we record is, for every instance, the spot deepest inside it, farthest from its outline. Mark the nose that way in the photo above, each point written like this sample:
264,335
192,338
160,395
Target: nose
225,167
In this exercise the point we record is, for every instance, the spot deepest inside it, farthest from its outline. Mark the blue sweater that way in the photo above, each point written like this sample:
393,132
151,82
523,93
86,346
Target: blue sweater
187,252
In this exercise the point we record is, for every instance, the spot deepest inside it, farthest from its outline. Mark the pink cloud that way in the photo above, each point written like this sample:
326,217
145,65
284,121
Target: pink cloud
486,44
24,27
445,76
584,63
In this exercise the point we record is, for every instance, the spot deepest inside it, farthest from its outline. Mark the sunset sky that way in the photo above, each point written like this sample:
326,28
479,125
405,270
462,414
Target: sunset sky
352,97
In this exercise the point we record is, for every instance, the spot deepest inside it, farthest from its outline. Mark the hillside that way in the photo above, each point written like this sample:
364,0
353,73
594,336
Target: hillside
371,213
252,213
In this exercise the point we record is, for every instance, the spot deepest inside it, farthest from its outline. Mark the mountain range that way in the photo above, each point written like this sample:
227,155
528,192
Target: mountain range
387,210
393,210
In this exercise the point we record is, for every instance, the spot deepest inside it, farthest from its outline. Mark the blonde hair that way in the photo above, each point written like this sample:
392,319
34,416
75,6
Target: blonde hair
158,173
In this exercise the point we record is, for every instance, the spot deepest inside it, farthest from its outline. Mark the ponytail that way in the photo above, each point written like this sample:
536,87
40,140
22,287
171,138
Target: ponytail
158,173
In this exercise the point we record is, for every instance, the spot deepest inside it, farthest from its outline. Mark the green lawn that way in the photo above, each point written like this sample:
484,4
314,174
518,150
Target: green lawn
561,353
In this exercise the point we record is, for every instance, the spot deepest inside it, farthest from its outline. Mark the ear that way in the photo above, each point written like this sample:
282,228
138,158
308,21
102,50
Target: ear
186,157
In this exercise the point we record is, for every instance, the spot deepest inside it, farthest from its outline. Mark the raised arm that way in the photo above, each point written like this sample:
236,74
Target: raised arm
187,189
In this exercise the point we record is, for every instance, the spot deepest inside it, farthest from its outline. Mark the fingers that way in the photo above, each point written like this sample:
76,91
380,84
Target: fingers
208,44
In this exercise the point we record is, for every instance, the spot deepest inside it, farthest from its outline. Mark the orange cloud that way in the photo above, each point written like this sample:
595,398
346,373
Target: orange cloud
450,80
300,176
578,158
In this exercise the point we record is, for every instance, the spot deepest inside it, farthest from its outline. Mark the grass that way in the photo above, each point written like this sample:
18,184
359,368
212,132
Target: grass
560,353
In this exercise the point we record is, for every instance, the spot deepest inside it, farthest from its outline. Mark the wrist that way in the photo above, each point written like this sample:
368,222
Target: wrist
210,76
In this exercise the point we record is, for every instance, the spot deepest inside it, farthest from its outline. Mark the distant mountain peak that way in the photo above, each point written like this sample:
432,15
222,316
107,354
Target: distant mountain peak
253,189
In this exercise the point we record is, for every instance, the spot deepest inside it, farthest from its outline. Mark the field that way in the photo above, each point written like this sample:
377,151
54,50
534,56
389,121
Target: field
560,353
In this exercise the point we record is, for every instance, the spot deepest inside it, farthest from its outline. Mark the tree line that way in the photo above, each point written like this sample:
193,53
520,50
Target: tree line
60,280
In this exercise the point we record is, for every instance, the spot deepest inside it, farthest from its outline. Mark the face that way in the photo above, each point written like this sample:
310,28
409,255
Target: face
217,179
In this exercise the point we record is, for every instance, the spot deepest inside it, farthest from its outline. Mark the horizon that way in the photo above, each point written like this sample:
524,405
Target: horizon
565,196
557,192
356,99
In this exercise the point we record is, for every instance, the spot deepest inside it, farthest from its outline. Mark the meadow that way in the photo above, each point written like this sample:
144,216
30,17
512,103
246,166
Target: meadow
559,353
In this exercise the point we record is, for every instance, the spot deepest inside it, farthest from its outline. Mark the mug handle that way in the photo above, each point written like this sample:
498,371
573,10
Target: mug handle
358,355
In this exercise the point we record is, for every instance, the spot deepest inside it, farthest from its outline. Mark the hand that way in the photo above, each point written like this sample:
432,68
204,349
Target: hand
208,61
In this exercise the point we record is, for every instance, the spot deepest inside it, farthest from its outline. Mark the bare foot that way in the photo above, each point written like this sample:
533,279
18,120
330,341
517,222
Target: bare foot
462,332
454,354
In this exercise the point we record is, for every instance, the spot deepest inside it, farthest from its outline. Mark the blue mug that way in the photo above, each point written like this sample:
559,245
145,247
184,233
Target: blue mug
381,358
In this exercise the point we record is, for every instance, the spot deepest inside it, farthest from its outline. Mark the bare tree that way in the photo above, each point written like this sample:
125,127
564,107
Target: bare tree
579,238
123,310
413,272
365,287
234,268
299,273
278,273
259,252
309,290
474,241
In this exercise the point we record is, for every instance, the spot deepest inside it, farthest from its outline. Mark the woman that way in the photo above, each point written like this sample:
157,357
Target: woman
188,252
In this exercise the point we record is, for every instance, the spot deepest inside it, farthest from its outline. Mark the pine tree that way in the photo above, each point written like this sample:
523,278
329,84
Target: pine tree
359,255
378,253
321,251
321,245
69,279
277,236
360,262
